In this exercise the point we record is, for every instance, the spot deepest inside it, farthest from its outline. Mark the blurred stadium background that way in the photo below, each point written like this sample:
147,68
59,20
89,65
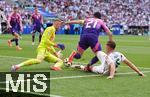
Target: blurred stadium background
121,16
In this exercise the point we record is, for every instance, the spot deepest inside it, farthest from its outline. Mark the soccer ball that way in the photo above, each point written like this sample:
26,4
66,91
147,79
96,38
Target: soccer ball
66,60
67,63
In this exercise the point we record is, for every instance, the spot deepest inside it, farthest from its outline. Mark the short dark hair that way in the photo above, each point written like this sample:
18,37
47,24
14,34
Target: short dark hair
1,9
58,19
34,6
97,15
15,8
111,44
44,3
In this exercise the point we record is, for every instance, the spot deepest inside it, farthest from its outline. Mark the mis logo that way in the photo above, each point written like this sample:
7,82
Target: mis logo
37,82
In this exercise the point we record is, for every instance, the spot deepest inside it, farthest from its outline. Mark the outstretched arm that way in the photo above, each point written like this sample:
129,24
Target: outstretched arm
108,32
133,67
75,22
112,67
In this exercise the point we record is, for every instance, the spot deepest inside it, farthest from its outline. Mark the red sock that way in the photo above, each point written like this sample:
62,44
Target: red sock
71,57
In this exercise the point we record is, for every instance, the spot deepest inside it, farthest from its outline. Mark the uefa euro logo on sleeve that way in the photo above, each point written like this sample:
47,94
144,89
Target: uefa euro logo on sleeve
25,84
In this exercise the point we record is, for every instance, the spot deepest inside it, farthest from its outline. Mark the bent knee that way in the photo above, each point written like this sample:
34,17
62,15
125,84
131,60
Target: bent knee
59,61
100,53
39,61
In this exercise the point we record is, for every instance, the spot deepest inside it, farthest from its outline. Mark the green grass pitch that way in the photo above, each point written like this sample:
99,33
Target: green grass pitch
76,83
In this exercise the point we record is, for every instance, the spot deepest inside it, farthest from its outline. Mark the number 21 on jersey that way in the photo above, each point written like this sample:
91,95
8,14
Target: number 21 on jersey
91,23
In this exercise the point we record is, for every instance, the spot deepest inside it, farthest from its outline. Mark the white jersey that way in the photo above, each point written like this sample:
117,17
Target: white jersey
2,17
115,57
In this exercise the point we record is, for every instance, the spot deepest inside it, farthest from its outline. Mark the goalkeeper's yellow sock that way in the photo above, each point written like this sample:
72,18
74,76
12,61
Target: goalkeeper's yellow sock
29,62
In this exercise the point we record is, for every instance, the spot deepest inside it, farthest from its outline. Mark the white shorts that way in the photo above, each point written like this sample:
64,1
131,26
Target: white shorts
101,69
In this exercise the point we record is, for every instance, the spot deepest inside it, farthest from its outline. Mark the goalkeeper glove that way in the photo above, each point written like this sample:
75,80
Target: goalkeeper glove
61,46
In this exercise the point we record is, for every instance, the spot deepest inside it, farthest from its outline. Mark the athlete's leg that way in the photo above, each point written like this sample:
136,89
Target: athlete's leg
17,37
38,60
13,39
96,48
97,69
101,56
40,34
76,54
10,42
93,61
33,36
82,46
53,59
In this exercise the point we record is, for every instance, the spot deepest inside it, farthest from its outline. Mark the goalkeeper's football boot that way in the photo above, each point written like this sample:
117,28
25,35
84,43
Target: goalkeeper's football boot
55,68
14,68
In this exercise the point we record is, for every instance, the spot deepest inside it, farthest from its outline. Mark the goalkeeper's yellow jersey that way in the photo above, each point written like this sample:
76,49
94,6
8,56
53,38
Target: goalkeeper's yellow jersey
48,37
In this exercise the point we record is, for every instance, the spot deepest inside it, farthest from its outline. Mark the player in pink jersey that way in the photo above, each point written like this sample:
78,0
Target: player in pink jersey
15,25
37,22
89,36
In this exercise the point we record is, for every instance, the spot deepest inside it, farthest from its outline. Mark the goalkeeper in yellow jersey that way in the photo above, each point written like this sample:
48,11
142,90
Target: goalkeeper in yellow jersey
45,50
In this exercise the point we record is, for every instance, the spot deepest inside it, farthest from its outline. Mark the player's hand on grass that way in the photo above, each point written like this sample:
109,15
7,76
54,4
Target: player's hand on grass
110,77
61,46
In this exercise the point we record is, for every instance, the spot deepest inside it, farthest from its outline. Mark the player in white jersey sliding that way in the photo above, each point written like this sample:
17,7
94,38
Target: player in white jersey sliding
110,62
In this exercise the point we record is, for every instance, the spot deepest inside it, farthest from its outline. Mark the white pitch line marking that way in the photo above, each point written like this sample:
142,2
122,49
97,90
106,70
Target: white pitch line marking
81,76
74,62
71,77
14,57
